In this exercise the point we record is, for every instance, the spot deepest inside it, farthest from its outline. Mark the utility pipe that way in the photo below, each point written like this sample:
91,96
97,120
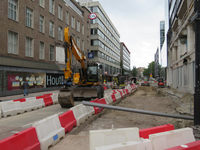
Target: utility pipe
138,111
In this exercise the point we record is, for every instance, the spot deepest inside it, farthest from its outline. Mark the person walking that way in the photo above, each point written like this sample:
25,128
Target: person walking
25,86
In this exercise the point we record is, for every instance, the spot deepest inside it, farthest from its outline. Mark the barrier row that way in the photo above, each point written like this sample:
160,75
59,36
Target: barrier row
48,131
19,106
159,138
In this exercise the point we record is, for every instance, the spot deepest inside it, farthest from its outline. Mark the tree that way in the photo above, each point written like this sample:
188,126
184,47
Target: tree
134,71
150,70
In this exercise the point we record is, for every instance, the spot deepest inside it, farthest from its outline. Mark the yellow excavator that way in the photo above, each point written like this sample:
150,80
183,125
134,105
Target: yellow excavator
85,84
118,81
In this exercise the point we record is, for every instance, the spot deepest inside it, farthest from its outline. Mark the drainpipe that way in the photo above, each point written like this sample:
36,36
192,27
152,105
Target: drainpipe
197,61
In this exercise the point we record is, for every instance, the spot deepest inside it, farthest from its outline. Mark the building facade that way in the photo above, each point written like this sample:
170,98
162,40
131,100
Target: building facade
31,37
105,39
162,33
181,45
125,58
156,59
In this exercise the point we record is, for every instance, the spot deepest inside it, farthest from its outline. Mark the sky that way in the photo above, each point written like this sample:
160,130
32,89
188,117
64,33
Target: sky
138,23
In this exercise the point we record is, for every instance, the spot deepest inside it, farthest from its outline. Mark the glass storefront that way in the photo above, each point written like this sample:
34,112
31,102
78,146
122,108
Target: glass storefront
10,80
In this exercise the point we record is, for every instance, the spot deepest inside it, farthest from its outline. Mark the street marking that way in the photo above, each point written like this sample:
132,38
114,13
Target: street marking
26,125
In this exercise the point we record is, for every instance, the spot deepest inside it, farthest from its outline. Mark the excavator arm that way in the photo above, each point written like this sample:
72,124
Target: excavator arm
71,47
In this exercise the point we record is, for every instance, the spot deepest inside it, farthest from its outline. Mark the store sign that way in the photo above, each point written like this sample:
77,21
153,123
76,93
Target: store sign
54,79
92,16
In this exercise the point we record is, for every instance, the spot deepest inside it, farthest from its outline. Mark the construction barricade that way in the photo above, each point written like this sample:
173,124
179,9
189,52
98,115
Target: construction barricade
80,114
54,97
20,100
48,101
27,106
106,137
144,133
89,110
108,99
39,97
171,138
143,144
189,146
49,131
67,120
47,95
11,108
118,96
24,140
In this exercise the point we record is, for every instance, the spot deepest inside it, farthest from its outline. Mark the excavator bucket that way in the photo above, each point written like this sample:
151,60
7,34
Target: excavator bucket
66,99
85,92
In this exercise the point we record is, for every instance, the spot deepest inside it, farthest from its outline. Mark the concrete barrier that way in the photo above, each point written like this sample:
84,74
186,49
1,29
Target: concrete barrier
11,108
144,133
27,106
118,96
21,100
132,145
67,120
39,103
24,140
106,137
108,99
54,97
89,110
79,114
49,131
171,138
189,146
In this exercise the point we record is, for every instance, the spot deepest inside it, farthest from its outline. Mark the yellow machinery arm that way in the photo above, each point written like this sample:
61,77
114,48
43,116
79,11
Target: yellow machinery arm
71,47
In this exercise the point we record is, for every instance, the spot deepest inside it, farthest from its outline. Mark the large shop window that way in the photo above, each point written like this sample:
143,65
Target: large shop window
14,80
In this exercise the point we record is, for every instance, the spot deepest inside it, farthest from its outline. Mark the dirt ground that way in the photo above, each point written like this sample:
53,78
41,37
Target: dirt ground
145,98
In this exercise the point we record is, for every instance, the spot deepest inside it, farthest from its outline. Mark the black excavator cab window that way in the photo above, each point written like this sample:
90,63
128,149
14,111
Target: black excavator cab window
92,73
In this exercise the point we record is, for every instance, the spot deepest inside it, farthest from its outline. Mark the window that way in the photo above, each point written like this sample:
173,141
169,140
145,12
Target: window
41,3
51,6
82,45
88,24
29,47
73,22
12,42
51,53
87,38
41,23
60,12
41,49
83,29
60,33
78,42
78,26
67,17
51,29
29,17
13,9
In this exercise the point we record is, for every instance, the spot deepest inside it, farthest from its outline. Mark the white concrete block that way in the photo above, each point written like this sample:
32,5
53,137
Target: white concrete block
49,131
27,106
55,98
106,137
118,95
89,109
11,108
143,144
79,114
39,103
169,139
108,99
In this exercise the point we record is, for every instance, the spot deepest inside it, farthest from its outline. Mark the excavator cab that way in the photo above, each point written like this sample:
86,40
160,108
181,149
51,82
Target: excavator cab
94,73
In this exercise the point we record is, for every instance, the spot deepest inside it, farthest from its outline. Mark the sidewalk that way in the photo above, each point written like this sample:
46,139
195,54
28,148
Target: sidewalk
6,98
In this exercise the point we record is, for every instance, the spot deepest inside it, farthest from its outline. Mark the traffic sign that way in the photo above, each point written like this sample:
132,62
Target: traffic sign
91,55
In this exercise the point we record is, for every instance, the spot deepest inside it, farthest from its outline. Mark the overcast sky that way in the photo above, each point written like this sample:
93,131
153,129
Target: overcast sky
138,23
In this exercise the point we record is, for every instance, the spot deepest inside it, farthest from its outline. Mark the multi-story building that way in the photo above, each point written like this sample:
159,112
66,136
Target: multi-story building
181,45
140,71
30,38
105,39
162,33
156,59
125,58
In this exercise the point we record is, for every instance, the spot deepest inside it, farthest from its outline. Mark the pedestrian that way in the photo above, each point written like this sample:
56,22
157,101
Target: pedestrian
25,86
